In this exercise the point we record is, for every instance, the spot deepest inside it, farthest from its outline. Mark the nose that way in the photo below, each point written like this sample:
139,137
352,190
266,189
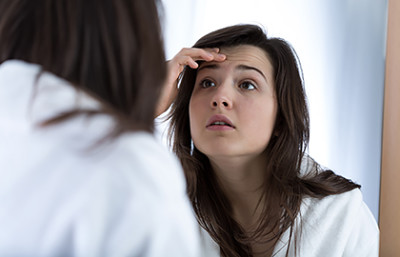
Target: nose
220,103
222,98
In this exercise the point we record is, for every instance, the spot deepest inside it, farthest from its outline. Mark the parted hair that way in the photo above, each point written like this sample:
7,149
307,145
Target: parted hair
111,49
285,186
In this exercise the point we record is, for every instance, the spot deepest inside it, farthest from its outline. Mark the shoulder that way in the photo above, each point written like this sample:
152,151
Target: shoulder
347,198
344,205
339,223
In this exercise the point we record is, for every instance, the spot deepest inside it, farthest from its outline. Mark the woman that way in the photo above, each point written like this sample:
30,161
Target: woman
79,85
240,128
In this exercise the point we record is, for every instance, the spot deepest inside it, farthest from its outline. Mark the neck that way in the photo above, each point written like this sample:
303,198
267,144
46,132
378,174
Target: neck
242,180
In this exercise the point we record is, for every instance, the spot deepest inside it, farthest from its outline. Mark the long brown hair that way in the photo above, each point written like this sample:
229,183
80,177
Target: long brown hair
286,186
111,49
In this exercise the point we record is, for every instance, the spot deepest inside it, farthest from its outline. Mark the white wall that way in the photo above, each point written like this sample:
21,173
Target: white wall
341,44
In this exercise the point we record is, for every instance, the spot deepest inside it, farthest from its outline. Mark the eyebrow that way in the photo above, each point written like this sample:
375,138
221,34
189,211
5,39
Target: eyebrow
246,67
239,67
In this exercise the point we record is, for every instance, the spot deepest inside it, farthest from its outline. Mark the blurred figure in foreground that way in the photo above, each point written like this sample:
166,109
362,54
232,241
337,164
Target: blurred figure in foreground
81,173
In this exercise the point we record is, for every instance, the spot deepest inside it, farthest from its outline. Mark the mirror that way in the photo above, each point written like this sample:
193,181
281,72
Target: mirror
341,45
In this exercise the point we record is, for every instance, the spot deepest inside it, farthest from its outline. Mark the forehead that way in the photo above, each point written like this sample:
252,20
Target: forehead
246,54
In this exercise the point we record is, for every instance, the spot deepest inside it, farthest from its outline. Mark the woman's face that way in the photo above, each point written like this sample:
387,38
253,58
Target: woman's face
233,106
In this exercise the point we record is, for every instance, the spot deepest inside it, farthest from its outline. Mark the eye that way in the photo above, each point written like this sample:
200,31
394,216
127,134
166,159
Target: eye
247,85
206,83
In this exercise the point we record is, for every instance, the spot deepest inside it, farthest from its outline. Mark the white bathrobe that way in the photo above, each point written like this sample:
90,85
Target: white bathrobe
60,197
335,226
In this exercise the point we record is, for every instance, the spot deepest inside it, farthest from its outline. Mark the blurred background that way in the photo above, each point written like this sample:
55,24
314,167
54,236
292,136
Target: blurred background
341,46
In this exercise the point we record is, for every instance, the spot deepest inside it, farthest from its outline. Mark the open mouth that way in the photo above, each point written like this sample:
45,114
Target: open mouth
219,122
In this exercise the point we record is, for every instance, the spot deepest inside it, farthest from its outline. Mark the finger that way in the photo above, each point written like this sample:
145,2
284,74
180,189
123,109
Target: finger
219,57
199,54
216,55
181,61
192,64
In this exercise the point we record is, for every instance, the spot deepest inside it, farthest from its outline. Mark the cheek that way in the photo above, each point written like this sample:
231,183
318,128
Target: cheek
261,122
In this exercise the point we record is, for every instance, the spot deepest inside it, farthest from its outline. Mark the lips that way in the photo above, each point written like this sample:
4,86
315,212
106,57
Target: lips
219,121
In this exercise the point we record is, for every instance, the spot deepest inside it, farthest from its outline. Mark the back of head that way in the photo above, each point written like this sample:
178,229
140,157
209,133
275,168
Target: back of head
110,49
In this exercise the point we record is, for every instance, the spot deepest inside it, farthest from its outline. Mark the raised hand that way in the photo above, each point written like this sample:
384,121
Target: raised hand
185,57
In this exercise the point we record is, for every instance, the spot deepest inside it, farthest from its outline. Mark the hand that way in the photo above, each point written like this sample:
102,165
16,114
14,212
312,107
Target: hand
185,57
